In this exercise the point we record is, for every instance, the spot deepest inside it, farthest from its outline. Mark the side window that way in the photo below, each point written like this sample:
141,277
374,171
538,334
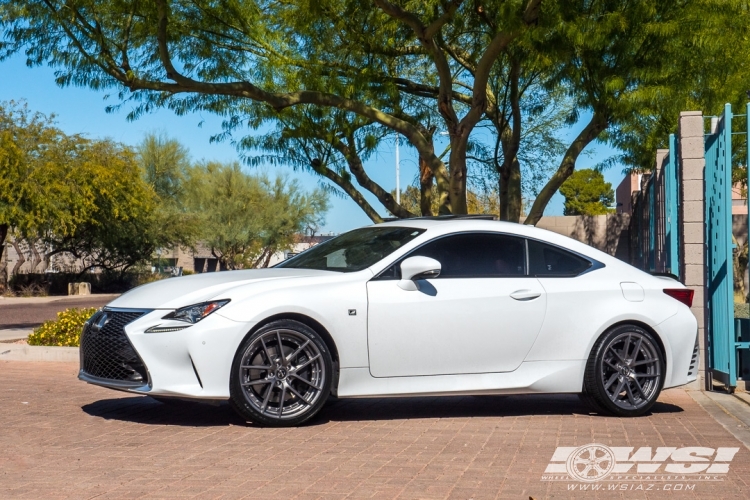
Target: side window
477,255
548,260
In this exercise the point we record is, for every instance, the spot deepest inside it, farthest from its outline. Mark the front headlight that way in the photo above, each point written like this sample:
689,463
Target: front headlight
190,314
195,313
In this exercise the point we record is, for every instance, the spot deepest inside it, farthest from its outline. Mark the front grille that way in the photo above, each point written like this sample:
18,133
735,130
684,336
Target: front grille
693,370
106,352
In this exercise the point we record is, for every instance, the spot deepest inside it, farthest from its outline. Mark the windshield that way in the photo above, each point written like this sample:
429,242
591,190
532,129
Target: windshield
355,250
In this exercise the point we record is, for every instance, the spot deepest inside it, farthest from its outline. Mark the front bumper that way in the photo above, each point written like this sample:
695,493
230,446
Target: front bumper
190,363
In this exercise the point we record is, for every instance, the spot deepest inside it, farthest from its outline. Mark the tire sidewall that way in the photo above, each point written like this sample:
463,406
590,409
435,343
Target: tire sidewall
237,396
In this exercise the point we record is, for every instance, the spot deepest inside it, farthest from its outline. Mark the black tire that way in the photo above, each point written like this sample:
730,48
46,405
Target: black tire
281,390
624,373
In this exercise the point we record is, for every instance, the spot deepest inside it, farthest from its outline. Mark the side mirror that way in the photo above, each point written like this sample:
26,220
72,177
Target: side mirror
417,268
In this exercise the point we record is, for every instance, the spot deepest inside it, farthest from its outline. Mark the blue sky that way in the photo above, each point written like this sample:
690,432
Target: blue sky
81,110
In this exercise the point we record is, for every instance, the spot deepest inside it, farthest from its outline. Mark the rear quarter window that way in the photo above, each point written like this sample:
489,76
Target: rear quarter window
551,261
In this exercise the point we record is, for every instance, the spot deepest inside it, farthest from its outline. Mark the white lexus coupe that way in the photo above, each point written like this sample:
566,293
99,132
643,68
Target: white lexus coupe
433,306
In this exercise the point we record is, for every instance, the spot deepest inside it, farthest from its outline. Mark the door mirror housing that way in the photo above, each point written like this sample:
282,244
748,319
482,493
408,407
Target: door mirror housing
417,268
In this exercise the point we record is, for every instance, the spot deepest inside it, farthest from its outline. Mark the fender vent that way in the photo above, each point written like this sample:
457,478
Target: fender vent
693,370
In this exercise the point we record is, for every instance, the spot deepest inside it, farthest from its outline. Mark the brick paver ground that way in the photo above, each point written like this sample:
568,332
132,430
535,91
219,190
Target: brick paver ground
60,438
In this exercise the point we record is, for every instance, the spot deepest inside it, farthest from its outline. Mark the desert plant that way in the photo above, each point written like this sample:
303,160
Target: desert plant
64,331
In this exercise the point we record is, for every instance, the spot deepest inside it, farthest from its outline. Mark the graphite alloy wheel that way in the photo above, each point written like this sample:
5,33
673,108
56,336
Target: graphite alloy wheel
625,372
281,375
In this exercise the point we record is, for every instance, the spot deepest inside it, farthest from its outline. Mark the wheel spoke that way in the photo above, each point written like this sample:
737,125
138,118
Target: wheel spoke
616,354
635,351
255,367
626,348
257,382
645,362
611,380
640,389
305,381
294,391
266,398
265,348
615,395
614,367
646,375
298,368
295,353
629,393
280,349
281,400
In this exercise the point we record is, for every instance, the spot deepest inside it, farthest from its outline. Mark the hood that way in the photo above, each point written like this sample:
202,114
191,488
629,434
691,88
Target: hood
172,293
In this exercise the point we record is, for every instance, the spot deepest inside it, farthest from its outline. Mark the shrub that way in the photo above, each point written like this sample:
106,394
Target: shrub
741,310
64,331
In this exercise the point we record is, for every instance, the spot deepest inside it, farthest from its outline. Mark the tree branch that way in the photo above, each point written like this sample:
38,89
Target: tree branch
596,125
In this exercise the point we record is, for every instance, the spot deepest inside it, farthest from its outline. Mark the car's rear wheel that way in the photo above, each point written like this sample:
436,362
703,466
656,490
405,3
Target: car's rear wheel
625,372
281,375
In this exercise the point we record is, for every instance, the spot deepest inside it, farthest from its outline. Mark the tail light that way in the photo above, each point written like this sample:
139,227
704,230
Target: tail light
684,295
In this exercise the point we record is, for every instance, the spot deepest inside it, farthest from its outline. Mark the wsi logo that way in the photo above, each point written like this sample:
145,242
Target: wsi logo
597,462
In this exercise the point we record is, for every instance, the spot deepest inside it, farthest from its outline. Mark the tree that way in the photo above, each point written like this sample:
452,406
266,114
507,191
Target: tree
164,162
586,193
74,195
245,219
37,189
308,70
223,57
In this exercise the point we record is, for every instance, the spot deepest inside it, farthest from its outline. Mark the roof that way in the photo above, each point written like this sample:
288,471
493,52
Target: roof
456,224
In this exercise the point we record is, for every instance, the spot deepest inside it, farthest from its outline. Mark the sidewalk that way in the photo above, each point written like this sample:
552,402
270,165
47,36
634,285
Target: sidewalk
10,334
732,411
7,301
26,313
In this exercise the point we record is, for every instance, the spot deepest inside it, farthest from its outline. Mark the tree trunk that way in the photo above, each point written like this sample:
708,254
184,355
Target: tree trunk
458,174
425,186
596,126
3,264
36,258
739,258
513,189
21,257
510,139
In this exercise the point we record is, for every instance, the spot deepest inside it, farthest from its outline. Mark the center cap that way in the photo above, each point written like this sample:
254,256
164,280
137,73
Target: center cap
281,373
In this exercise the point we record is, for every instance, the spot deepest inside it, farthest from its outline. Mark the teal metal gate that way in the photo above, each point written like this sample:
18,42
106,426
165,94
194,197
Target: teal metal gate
719,262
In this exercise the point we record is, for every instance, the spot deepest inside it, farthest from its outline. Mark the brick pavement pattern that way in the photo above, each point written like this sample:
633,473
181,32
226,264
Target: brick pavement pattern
61,438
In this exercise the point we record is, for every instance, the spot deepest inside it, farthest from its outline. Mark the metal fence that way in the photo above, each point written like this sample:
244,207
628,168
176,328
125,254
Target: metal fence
654,226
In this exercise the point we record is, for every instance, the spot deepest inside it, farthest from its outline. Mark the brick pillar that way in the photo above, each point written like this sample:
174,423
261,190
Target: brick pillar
691,213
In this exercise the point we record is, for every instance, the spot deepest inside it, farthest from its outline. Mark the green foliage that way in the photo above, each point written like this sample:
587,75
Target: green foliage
245,219
64,331
78,196
586,193
327,81
164,162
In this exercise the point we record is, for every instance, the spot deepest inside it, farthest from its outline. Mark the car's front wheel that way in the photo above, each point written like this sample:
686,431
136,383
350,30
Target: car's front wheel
625,372
281,375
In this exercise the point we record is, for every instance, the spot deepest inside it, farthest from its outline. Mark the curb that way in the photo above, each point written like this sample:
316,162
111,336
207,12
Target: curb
20,352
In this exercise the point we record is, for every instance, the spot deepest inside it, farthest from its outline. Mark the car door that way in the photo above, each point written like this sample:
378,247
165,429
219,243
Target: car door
481,315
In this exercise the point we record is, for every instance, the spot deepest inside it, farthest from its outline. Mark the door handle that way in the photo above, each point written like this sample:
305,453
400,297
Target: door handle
525,294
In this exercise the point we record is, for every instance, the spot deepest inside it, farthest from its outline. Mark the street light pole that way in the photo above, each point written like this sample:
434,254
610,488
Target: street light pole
398,183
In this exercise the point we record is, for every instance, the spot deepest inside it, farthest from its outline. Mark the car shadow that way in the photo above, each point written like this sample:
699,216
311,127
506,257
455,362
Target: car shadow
145,410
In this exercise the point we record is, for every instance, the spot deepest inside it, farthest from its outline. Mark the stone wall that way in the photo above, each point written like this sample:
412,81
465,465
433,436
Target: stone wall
608,233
